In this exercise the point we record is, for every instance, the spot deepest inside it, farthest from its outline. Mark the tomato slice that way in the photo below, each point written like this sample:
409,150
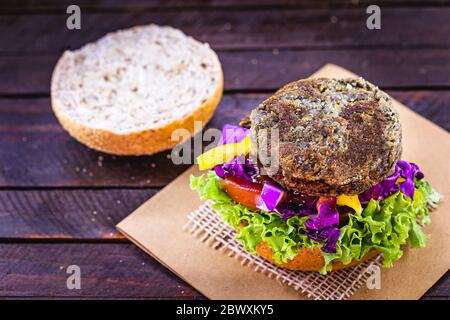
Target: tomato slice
242,192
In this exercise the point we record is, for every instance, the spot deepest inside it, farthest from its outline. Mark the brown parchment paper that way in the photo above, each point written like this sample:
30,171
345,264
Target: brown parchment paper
156,227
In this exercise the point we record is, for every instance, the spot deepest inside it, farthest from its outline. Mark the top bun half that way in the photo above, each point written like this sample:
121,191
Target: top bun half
127,92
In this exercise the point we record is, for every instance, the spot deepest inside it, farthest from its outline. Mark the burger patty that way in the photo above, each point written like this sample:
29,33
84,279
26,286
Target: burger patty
335,136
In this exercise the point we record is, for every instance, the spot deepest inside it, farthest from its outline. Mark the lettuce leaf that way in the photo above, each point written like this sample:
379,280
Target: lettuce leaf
385,225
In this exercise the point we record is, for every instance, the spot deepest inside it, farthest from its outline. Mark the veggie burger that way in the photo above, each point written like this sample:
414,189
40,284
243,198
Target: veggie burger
335,191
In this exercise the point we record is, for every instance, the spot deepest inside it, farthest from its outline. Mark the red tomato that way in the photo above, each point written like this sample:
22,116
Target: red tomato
242,192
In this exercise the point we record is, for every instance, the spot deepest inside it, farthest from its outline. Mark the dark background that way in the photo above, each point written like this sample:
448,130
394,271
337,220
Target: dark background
60,201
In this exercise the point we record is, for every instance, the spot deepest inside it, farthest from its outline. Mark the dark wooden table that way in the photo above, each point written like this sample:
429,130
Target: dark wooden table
60,201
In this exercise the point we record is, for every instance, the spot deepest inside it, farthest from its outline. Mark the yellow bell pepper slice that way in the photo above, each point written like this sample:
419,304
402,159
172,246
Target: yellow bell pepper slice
223,153
400,180
349,201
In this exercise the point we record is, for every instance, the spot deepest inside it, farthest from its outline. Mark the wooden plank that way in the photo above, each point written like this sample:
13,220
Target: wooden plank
49,157
441,289
104,5
53,159
256,28
36,152
269,69
56,215
387,68
107,271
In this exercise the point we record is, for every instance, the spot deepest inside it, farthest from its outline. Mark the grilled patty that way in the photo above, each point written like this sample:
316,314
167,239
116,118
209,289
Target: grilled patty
334,136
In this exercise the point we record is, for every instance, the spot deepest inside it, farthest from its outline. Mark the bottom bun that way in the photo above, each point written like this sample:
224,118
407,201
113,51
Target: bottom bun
309,259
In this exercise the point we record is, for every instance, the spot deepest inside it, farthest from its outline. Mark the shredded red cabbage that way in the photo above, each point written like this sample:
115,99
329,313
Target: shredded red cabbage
239,167
330,235
232,134
293,206
323,222
388,186
271,196
409,171
325,225
327,215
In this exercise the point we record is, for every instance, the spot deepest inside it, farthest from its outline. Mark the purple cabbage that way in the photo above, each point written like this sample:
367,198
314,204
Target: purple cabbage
321,226
232,134
408,171
324,225
239,167
327,215
383,189
330,235
293,207
270,197
388,186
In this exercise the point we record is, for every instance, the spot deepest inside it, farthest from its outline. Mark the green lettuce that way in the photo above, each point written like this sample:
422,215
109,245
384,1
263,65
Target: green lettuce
385,225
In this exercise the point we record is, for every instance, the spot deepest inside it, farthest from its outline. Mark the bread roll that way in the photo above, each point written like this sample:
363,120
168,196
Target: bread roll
125,93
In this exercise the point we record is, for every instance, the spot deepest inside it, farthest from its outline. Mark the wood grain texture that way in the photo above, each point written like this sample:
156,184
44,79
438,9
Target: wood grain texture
55,215
256,28
107,271
440,289
31,133
49,157
267,70
128,5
